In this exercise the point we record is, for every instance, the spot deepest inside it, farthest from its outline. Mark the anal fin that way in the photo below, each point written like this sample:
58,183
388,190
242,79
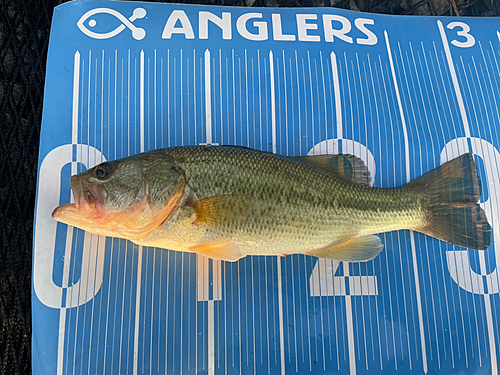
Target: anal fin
351,249
227,251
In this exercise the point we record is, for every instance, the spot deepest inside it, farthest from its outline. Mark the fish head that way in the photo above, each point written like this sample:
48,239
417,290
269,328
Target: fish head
128,198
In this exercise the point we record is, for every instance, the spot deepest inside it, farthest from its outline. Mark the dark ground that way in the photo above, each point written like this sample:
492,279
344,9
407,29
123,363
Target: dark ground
24,36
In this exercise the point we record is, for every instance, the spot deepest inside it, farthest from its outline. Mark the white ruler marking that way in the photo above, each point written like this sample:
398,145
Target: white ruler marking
400,107
412,235
273,103
137,311
60,346
360,278
491,332
69,234
378,127
221,98
278,259
285,95
350,324
76,85
348,298
203,278
280,314
246,93
208,99
204,283
62,315
211,345
454,79
141,103
139,263
336,90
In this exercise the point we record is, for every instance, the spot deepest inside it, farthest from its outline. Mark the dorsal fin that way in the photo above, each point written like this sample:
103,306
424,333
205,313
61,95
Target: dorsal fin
244,148
346,167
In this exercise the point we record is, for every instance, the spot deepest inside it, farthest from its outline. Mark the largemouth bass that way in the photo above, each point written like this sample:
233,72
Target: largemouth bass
228,202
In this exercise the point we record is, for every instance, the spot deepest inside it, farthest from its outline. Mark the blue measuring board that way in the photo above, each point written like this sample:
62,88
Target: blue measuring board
405,94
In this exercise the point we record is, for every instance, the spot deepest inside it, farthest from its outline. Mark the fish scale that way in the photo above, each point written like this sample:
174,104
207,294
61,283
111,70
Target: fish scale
228,202
308,207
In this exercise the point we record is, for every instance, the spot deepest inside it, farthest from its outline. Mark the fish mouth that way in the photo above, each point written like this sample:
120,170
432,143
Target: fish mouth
89,201
89,197
88,206
68,214
62,211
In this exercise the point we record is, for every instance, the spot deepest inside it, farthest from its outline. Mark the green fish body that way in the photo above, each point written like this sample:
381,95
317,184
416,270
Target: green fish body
229,202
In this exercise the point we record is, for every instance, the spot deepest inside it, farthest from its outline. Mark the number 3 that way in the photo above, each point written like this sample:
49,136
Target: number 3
464,32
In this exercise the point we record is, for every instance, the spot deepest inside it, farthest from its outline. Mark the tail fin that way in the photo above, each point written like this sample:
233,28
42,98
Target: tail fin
451,193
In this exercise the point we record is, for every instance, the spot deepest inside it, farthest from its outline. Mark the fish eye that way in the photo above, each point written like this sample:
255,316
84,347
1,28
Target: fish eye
102,171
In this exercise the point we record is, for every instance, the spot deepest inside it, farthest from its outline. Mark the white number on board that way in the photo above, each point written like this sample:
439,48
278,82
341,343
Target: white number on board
47,291
323,281
464,32
458,261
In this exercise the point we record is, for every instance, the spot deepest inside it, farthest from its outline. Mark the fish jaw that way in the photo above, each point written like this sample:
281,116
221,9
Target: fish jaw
93,223
89,197
69,214
65,212
88,211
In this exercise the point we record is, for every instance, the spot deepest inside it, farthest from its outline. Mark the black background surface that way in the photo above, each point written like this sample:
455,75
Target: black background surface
24,37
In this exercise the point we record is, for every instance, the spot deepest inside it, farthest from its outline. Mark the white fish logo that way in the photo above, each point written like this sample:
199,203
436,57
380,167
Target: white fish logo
137,32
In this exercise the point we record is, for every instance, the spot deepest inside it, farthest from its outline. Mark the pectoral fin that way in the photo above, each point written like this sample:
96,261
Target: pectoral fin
351,249
217,209
227,251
